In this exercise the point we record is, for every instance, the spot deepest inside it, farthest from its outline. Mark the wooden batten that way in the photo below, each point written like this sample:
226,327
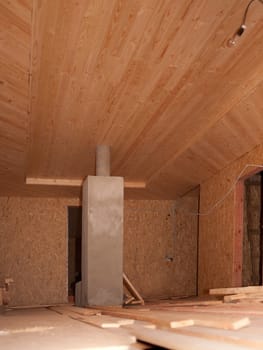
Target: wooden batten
76,182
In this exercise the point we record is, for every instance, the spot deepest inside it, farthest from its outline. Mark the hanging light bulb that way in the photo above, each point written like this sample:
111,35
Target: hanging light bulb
233,41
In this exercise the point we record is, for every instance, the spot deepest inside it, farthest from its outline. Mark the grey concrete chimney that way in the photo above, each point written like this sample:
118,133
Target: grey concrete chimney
102,235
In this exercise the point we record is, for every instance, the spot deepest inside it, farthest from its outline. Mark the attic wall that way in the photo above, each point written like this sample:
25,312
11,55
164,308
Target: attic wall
33,248
217,230
160,246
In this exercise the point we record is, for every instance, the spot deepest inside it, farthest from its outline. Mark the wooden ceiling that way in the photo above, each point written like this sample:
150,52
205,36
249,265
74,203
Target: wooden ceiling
153,79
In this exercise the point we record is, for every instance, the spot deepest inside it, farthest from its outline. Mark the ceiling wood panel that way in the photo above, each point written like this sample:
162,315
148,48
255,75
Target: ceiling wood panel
238,132
191,114
15,41
153,79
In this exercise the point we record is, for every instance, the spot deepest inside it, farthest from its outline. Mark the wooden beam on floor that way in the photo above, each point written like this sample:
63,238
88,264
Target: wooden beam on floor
228,291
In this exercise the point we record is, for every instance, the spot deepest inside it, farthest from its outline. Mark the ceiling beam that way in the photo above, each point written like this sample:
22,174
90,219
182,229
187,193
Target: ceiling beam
76,182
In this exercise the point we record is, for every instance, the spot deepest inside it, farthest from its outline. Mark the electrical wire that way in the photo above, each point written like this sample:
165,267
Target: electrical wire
246,12
232,42
222,199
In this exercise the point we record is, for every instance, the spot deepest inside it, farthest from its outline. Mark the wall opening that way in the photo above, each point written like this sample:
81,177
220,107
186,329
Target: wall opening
252,231
74,248
248,242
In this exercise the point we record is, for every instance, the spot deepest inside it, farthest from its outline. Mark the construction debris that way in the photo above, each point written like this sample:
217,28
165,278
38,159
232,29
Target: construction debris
135,297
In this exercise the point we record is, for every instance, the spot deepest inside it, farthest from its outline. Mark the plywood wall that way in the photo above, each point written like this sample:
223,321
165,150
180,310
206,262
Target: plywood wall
217,229
33,249
160,247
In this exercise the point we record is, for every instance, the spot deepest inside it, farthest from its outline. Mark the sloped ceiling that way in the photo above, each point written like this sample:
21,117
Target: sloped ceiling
153,79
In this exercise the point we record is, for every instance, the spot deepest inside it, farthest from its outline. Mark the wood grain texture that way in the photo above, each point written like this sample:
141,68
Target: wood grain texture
154,80
235,290
74,182
170,319
28,327
158,318
15,44
217,230
176,341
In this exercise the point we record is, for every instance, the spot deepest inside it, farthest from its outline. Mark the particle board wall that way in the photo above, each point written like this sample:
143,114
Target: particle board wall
33,248
160,246
217,229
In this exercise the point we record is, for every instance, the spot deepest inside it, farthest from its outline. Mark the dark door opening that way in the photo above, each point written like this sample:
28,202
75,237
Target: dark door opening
74,247
252,231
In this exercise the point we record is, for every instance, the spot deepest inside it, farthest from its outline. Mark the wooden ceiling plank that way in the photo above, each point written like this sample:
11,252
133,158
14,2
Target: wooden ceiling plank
208,111
15,27
16,14
173,61
232,136
79,60
153,80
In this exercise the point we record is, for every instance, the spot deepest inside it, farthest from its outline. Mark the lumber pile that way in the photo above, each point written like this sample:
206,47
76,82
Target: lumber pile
170,326
250,294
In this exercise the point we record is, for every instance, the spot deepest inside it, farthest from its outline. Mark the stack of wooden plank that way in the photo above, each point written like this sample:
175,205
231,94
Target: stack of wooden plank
175,325
250,294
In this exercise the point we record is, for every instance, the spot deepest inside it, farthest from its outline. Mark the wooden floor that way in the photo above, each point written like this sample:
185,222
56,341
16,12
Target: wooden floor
174,324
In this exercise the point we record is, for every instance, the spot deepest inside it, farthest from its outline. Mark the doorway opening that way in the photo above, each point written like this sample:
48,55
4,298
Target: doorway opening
253,231
74,248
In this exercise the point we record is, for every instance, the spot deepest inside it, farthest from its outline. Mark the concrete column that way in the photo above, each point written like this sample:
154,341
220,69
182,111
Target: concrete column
102,241
103,160
102,236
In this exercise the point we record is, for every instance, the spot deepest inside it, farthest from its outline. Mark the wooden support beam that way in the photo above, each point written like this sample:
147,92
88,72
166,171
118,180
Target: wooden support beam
75,182
53,182
134,184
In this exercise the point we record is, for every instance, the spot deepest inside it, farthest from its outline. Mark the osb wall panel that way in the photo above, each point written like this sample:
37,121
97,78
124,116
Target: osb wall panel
160,247
33,249
186,243
217,229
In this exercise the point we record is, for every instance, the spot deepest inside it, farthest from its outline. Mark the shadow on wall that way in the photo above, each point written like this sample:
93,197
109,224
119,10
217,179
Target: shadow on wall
74,247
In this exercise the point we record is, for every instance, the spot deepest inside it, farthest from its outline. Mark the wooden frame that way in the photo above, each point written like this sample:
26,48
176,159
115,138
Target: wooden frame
135,298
